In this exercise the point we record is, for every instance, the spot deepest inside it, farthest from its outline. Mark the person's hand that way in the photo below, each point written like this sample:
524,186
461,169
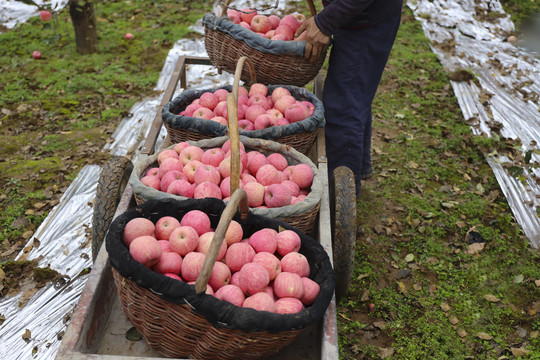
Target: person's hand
316,40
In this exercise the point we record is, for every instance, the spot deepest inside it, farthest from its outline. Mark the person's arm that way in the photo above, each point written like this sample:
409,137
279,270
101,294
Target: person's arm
319,28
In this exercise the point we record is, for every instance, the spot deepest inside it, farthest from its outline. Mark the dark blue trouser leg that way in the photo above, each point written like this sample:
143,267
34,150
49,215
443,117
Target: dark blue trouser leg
357,61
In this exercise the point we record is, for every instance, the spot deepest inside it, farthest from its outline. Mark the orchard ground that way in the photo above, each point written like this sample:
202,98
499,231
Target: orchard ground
437,291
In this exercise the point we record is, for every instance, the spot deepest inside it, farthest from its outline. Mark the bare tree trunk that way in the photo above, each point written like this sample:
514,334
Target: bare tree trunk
84,24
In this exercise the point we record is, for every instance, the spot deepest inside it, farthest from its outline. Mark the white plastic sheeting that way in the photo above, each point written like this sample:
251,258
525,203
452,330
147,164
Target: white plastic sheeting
63,240
16,12
507,96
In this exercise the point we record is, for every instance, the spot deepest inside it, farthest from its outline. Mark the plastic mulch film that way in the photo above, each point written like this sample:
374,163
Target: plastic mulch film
16,12
504,98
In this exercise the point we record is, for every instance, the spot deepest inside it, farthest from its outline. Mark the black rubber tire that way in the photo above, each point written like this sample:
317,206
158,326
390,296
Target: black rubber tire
112,182
343,215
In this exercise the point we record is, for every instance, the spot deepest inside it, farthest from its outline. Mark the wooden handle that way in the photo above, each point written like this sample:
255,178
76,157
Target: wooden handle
311,7
238,201
232,119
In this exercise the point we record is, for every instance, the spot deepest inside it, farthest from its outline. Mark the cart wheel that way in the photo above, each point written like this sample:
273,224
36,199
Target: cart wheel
343,213
112,181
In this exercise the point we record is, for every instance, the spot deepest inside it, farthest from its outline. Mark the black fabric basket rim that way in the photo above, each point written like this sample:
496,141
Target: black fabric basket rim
219,313
169,115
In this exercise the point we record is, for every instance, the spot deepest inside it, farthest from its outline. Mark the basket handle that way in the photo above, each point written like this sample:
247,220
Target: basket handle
238,200
232,119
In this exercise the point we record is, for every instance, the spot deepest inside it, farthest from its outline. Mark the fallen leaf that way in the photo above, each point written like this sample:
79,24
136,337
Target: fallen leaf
445,307
413,165
380,324
532,335
453,320
401,287
462,333
361,276
409,257
475,248
518,279
537,283
385,353
491,298
483,336
365,296
417,287
519,351
27,334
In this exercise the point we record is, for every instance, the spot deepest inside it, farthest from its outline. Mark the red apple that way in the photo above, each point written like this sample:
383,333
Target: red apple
192,265
225,187
255,193
207,189
255,161
146,250
247,177
231,293
204,245
169,262
208,100
247,14
295,189
260,301
203,113
206,173
279,92
45,15
183,240
260,24
282,37
170,177
238,254
309,105
258,88
128,36
274,20
181,188
291,21
268,175
180,146
288,284
282,122
269,261
234,16
197,220
165,245
285,30
151,181
137,227
245,25
264,240
259,99
220,276
288,241
165,226
221,94
190,168
173,276
253,278
221,109
277,195
253,111
278,160
170,164
36,54
311,291
288,305
296,112
283,102
297,263
234,233
190,109
302,175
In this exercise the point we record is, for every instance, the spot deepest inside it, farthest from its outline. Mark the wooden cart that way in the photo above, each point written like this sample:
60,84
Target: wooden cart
98,328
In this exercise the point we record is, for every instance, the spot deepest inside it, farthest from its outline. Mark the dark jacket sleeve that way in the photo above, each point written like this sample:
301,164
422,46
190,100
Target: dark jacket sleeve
340,12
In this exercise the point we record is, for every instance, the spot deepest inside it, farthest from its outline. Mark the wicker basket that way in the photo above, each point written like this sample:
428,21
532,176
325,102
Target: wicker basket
276,61
302,215
179,320
300,135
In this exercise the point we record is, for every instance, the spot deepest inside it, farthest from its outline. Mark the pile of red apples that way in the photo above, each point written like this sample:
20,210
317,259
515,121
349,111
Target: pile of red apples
269,26
190,171
257,108
264,271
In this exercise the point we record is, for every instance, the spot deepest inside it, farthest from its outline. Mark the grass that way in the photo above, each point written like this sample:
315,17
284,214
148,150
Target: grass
431,187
